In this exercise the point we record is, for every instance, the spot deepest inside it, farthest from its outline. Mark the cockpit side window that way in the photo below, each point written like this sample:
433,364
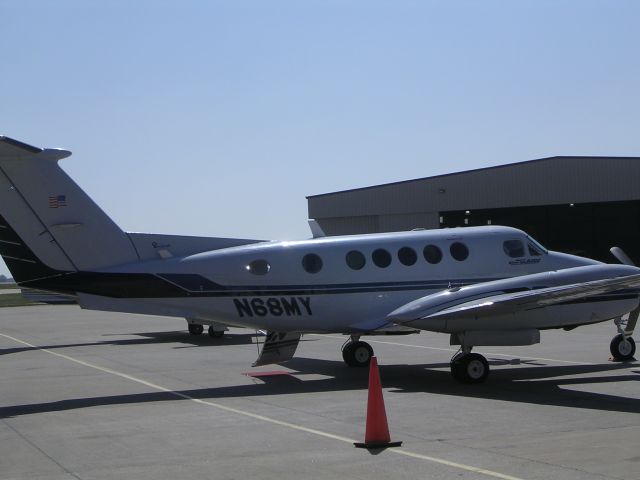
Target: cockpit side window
513,248
533,250
535,246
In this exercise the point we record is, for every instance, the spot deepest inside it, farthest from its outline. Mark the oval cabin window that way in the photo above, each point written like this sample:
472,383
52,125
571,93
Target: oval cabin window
432,254
312,263
259,267
355,260
407,256
459,251
381,258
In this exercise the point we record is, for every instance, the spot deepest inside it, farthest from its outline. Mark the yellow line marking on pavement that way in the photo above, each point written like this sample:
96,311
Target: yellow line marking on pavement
263,418
455,350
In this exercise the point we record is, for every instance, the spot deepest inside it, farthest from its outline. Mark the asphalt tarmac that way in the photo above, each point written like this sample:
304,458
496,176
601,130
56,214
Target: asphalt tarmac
91,395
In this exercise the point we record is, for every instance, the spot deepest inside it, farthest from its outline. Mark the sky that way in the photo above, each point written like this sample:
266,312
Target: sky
218,118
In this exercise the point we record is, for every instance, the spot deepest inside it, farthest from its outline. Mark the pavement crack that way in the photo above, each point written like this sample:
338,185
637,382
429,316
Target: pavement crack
33,445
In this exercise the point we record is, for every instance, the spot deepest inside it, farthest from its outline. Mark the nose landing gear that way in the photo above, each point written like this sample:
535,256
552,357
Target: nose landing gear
622,346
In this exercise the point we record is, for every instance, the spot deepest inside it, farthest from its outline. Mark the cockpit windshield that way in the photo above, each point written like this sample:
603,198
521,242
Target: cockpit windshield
535,249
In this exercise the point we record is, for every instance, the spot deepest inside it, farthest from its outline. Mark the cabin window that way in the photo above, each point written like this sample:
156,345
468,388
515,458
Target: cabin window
407,256
513,248
432,254
355,260
312,263
459,251
259,267
381,258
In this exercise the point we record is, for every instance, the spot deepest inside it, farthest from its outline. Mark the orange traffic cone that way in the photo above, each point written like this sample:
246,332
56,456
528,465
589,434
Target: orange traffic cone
377,433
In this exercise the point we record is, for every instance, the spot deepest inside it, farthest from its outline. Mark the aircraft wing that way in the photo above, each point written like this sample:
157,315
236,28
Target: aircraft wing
504,303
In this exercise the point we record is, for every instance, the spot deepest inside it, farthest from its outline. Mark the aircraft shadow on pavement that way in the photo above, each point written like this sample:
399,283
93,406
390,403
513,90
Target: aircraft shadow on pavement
541,385
184,340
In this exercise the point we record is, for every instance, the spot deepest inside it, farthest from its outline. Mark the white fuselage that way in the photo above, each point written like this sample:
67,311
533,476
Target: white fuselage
277,286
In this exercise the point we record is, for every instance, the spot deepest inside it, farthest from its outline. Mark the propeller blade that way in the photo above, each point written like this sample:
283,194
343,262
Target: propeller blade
621,256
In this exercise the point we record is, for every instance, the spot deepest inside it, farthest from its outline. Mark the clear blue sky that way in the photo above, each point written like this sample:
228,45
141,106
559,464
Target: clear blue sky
218,118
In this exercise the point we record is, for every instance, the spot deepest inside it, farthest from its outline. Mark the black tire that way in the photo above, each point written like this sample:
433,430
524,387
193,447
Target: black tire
622,349
215,333
195,329
357,354
470,368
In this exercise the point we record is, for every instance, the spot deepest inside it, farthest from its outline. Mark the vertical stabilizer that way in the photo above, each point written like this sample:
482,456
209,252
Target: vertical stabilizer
46,215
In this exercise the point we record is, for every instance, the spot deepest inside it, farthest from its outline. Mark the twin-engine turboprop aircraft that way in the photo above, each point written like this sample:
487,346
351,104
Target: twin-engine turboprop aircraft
482,285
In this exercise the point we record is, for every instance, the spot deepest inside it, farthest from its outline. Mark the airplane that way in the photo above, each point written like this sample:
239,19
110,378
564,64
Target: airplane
483,286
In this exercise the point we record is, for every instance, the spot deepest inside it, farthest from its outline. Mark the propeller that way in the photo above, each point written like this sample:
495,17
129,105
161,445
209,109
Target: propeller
634,314
621,256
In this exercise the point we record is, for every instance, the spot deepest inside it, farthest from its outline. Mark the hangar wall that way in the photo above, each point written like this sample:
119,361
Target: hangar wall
530,195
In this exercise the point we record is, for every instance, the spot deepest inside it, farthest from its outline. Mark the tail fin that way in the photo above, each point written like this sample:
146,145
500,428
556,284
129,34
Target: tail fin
48,225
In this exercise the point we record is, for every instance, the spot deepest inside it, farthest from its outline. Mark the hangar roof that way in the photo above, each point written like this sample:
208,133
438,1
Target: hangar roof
552,180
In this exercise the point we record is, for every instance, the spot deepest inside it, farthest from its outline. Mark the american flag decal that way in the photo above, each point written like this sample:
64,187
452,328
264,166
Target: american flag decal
57,201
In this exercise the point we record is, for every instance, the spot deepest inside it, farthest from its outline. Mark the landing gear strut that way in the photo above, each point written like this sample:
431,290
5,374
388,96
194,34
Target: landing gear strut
356,353
467,367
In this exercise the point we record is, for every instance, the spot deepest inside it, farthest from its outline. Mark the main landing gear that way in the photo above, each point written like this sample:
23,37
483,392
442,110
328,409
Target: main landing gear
356,353
195,329
214,331
467,367
622,346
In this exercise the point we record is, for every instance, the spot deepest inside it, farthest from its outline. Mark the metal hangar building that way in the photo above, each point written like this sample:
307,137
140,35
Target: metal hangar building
579,205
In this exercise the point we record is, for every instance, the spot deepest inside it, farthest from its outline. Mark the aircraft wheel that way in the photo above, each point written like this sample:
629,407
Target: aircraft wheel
622,348
195,329
357,354
215,333
470,368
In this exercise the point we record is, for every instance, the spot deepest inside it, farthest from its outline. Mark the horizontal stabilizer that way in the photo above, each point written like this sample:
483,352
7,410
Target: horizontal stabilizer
15,150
